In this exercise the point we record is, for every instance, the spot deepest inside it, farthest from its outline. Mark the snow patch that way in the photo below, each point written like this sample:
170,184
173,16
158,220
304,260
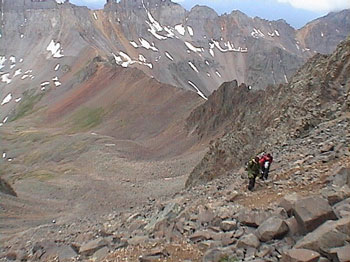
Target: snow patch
2,61
17,72
197,90
322,35
45,83
134,44
190,30
7,99
12,59
169,56
256,33
95,16
57,67
5,120
180,29
277,33
57,83
4,155
193,67
18,100
208,75
144,43
55,49
24,77
193,48
21,60
286,79
218,74
5,78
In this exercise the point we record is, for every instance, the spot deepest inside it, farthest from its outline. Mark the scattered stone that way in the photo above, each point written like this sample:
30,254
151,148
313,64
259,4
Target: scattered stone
311,212
272,228
100,254
300,255
91,247
249,240
137,240
342,209
200,236
215,255
170,211
228,225
341,177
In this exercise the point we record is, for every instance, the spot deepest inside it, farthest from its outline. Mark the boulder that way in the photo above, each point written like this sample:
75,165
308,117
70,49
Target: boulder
335,195
272,228
342,209
254,218
300,255
288,201
228,225
206,215
247,241
293,226
341,177
329,235
92,246
341,254
215,255
100,254
201,236
311,212
137,240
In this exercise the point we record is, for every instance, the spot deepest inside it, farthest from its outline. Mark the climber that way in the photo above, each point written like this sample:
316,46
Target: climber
253,169
265,163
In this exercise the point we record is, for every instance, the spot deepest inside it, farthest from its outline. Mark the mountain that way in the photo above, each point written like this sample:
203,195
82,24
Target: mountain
280,116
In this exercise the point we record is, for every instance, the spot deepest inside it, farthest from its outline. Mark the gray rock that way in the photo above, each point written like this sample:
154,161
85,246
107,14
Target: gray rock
228,225
272,228
137,240
249,240
341,254
300,255
200,236
329,235
170,211
288,201
215,255
334,195
294,227
341,177
100,254
342,208
92,246
311,212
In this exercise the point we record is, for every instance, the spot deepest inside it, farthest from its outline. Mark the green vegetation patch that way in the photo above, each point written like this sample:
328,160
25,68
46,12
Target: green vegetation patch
228,259
86,118
26,105
41,175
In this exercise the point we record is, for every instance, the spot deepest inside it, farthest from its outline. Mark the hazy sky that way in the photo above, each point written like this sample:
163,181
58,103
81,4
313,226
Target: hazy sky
295,12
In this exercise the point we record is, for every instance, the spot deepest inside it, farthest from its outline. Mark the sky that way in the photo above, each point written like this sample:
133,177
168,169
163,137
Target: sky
296,12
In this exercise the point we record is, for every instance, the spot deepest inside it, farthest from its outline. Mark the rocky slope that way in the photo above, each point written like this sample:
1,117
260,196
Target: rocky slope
268,120
301,214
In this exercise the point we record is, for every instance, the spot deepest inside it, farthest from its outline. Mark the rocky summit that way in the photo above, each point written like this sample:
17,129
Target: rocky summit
125,131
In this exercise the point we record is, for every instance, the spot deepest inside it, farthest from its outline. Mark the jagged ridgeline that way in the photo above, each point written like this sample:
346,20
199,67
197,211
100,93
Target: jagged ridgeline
197,50
271,120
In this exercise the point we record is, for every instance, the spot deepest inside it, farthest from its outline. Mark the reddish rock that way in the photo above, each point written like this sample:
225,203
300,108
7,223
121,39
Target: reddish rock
311,212
329,235
272,228
300,255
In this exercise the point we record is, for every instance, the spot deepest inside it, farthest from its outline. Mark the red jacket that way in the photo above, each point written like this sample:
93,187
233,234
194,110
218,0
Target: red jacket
265,158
